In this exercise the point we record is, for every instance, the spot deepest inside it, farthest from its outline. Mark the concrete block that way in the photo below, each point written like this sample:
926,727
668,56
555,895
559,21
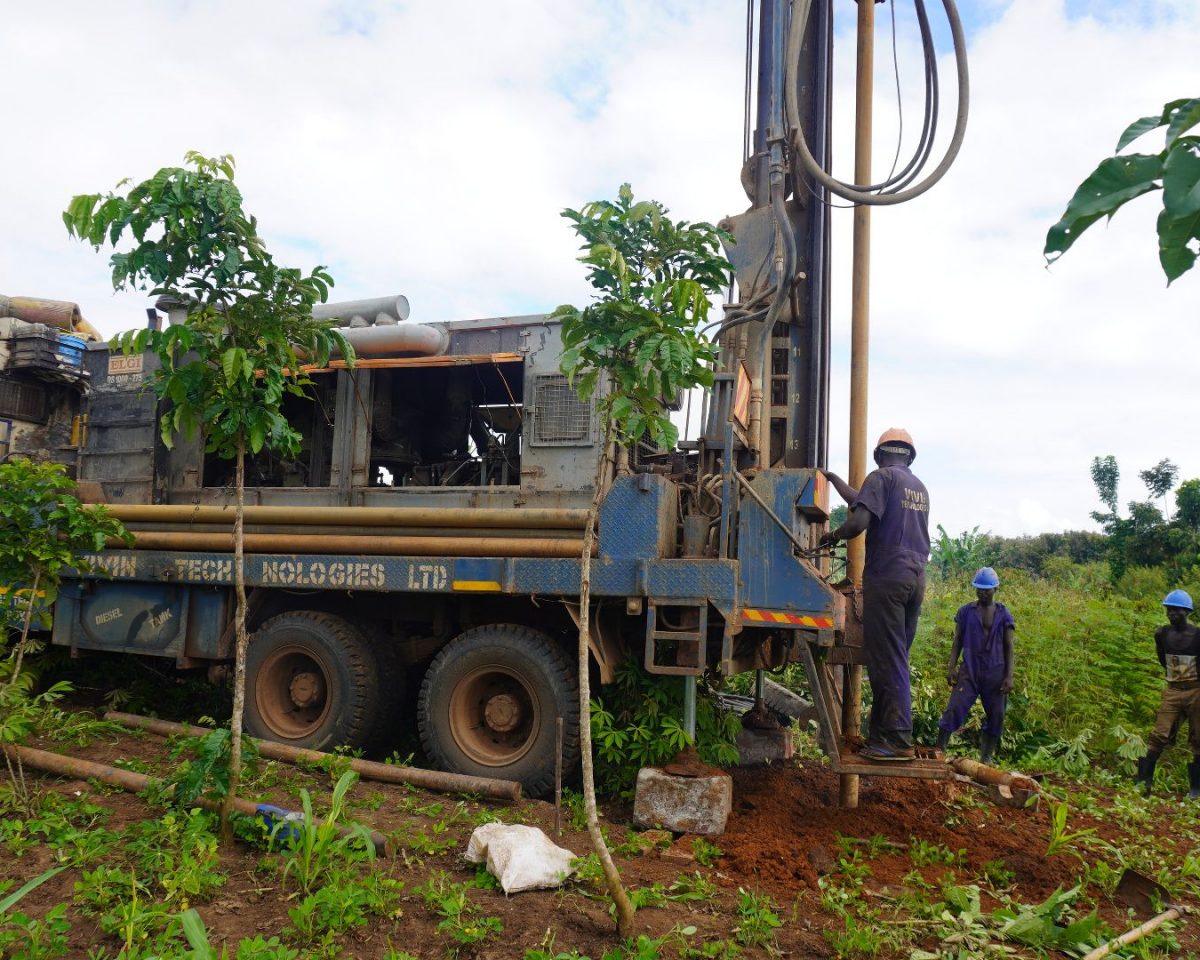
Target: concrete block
758,747
699,805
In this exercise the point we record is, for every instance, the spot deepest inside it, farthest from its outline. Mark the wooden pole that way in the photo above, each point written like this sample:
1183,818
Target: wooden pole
558,765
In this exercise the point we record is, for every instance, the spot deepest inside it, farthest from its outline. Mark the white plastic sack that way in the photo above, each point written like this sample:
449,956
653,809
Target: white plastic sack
520,857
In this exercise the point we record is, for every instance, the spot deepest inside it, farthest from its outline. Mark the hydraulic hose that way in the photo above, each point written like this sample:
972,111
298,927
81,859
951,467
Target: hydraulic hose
860,193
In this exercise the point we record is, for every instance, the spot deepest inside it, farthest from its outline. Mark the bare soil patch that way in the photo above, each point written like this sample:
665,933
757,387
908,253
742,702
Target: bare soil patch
783,837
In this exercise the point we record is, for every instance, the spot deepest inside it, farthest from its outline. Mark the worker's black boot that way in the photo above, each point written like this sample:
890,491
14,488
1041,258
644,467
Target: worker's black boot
1145,773
1194,778
987,747
943,739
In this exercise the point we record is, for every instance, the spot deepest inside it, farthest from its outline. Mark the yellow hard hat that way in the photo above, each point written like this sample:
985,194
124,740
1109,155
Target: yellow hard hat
895,435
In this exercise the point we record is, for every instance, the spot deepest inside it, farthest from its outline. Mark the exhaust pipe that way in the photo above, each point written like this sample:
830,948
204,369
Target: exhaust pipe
376,327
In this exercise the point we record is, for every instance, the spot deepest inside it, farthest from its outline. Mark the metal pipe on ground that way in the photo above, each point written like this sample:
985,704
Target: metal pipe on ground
982,773
80,769
367,545
482,517
427,779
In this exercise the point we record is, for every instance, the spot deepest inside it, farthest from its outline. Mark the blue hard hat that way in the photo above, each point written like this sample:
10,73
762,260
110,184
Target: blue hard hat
985,579
1178,598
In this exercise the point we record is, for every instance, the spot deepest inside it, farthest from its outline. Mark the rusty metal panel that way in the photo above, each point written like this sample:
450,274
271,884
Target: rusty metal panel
122,426
208,616
131,617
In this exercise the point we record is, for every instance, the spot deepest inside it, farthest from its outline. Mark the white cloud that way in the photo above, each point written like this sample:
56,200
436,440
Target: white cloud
428,148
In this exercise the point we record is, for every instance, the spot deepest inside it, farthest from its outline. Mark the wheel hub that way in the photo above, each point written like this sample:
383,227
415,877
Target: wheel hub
306,689
502,713
293,692
494,716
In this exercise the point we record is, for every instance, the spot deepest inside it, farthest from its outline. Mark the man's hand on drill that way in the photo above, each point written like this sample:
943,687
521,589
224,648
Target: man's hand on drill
828,539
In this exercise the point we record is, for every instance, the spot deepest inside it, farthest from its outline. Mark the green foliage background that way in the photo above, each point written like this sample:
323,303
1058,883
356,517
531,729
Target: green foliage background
1085,655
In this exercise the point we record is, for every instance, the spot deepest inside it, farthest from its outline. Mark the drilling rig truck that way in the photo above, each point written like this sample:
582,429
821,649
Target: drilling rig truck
428,536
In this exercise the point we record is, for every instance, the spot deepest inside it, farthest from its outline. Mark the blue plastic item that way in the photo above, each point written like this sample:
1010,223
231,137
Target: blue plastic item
70,349
985,579
1178,598
282,825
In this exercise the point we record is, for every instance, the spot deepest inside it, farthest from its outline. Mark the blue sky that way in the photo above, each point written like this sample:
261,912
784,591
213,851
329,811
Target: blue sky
426,149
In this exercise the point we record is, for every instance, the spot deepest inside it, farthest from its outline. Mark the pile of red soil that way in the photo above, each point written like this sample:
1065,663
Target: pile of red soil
786,821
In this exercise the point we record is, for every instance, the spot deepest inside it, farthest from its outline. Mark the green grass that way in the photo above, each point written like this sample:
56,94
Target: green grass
1084,652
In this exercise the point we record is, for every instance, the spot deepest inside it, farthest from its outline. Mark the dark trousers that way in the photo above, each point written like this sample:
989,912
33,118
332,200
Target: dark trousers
890,612
969,689
1180,701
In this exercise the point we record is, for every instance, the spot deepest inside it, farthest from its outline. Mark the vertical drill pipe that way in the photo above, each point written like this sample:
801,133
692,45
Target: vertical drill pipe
819,252
769,136
860,336
689,707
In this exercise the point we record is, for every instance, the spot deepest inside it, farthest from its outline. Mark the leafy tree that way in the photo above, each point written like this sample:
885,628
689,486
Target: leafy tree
1175,170
1034,553
248,333
964,554
1106,475
1147,538
1160,478
1187,504
636,345
641,338
44,531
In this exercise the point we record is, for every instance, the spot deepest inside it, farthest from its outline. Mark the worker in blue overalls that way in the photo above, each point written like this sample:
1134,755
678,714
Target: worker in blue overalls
893,509
983,635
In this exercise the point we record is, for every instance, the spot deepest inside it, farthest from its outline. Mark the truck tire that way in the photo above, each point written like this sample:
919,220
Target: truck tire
394,701
488,705
311,681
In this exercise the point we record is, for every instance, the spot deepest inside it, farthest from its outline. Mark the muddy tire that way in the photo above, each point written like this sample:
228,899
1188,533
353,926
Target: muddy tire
394,702
488,705
311,681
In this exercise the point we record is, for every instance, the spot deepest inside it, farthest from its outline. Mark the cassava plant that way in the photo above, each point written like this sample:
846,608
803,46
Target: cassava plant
634,347
44,531
1175,170
249,331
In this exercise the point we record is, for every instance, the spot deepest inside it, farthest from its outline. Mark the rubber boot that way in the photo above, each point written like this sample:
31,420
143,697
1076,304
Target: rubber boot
1145,773
943,739
987,747
1194,778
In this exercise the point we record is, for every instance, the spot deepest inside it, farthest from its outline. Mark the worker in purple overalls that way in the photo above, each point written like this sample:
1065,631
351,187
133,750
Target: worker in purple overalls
893,509
983,635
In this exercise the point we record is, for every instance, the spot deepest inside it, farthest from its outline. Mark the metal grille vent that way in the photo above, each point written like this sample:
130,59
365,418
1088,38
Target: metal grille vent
560,418
22,401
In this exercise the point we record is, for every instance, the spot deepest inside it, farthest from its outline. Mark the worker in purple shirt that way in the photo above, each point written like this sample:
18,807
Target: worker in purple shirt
983,635
893,509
